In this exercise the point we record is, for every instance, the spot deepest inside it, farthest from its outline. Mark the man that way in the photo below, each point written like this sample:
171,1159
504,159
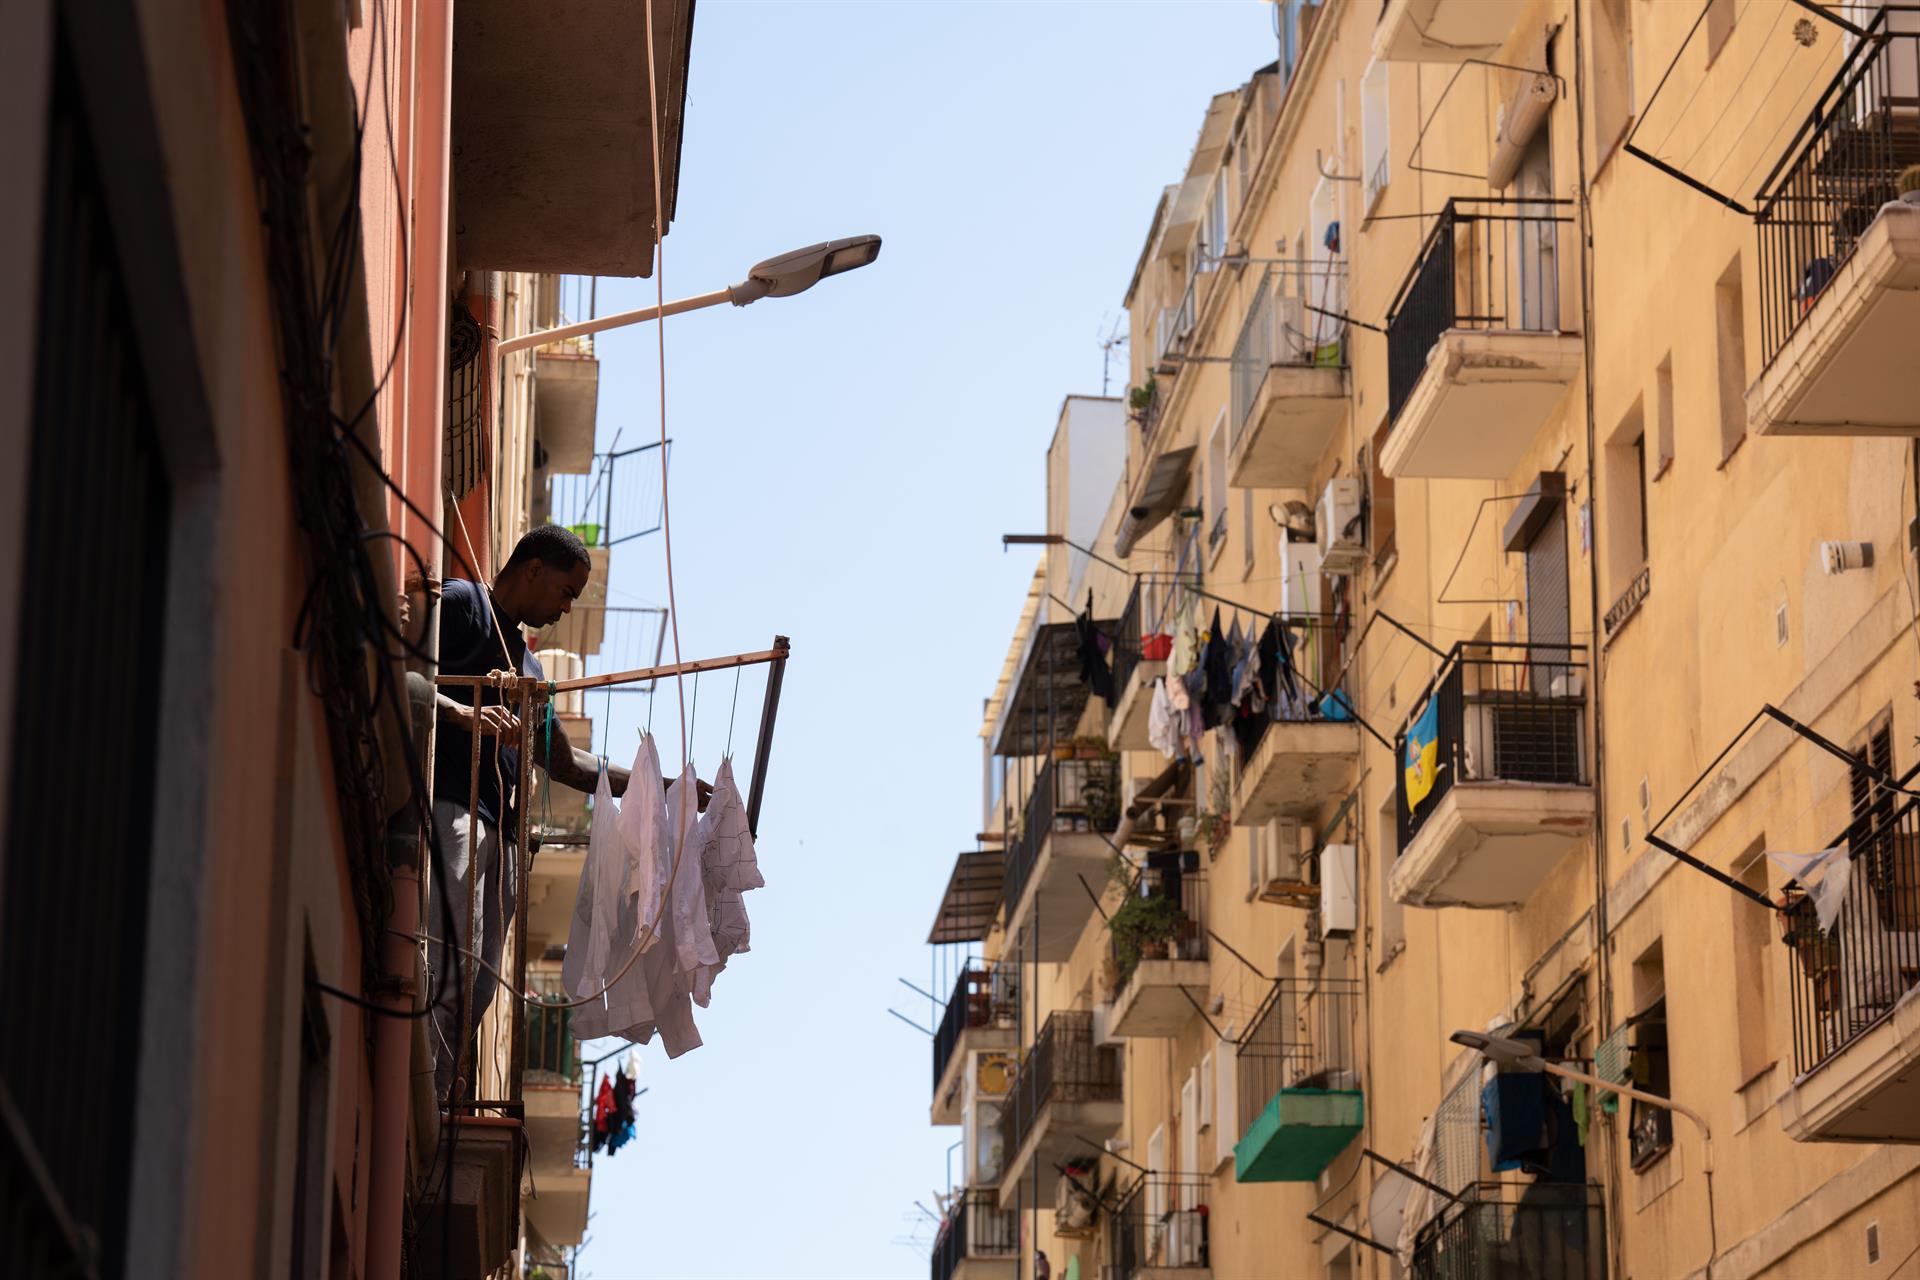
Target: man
480,632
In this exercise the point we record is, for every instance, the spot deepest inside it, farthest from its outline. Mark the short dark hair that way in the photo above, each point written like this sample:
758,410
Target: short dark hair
552,544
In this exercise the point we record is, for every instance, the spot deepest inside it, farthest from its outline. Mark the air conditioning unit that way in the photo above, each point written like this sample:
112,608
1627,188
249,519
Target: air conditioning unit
1075,1211
1339,889
1341,532
1186,1238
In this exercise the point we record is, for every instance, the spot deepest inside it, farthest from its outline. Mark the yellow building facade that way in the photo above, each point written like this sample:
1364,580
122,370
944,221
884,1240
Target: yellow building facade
1526,384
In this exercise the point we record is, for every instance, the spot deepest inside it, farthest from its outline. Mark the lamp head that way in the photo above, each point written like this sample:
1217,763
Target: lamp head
800,270
1502,1050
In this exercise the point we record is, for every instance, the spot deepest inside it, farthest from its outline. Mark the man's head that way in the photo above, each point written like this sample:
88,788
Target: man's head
544,576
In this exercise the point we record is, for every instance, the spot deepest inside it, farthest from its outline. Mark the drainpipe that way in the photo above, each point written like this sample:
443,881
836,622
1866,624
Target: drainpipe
419,459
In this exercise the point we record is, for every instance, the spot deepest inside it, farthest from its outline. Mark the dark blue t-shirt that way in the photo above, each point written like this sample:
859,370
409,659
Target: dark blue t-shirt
470,646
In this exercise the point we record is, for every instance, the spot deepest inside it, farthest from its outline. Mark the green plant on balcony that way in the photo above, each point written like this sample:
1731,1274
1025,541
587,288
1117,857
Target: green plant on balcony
1141,402
1143,925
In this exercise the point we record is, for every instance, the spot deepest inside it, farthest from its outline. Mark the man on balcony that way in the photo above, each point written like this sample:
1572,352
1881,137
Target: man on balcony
481,632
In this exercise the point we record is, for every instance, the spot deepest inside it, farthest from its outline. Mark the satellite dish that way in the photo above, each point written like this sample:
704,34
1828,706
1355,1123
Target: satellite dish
1387,1206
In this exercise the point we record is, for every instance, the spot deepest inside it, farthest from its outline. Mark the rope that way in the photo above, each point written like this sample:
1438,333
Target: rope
731,713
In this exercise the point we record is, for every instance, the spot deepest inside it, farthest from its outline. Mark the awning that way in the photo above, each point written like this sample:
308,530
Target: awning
1047,698
972,898
1166,481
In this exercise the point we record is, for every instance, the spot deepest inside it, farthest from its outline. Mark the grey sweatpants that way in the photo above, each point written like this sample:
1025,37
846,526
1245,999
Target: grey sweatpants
494,887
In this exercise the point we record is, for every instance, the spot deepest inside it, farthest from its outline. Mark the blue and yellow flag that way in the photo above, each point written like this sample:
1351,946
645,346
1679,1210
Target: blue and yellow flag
1423,753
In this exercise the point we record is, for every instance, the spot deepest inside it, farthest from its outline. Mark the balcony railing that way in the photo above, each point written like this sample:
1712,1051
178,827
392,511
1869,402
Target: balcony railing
1301,1038
1280,330
1838,171
1506,1231
1161,1223
984,995
1174,325
1127,639
1506,712
1064,1065
1163,917
1487,264
975,1229
1845,981
551,1048
1068,795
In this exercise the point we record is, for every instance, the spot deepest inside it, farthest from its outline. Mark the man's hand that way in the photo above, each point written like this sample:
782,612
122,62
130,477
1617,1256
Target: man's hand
493,720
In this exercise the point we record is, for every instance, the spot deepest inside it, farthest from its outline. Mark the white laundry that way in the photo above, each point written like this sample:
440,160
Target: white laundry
1824,875
643,824
728,860
692,934
1161,734
596,906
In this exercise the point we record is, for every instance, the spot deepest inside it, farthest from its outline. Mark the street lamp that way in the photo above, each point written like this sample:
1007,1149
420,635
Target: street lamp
777,277
1508,1052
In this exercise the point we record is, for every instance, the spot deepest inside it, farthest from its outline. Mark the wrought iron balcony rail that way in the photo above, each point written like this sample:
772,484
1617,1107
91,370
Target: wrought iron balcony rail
1487,264
1507,1230
984,995
1506,712
1163,917
1302,1037
1068,795
1845,981
1064,1065
976,1228
551,1048
1838,171
1284,328
1161,1223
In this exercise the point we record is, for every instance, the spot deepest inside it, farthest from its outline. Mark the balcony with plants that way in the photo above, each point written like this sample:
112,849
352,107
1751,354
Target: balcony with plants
557,1125
1494,784
1851,983
1838,227
1299,1081
1066,1093
1478,356
1157,948
1059,841
1288,385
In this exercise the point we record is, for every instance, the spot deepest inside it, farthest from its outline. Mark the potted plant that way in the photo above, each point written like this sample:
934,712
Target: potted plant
1142,927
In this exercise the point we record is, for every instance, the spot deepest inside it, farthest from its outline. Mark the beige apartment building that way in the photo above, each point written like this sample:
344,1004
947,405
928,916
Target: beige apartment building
1526,391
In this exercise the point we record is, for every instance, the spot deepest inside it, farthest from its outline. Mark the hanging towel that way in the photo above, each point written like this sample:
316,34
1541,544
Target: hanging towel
727,858
1161,734
596,904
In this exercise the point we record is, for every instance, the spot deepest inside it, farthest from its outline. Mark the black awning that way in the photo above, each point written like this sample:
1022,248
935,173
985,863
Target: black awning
1043,705
972,898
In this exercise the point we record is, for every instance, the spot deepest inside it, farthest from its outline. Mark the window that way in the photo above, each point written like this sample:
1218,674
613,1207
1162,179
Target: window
1376,148
1392,929
1730,328
1190,1123
1206,1089
1640,484
1625,493
1871,801
1753,929
1247,539
1157,1163
1614,95
1380,519
1256,838
1650,1128
1217,485
1663,416
1226,1120
1213,232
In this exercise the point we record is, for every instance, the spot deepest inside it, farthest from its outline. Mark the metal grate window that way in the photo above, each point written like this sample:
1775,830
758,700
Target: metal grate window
74,897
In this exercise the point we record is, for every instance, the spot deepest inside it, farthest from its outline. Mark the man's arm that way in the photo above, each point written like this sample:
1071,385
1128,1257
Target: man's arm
494,719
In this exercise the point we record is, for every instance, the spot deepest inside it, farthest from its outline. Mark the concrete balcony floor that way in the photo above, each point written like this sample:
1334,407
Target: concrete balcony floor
1491,844
1292,420
1159,998
1130,710
1848,369
1297,766
1867,1092
1445,30
1483,398
1056,1136
947,1093
1054,901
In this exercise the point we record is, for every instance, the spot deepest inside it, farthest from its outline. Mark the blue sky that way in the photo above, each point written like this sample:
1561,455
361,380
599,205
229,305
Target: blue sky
844,464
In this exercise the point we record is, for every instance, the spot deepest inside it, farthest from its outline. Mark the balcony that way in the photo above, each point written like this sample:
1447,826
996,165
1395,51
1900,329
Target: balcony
1288,390
553,130
1445,30
1856,1020
1159,1232
1476,359
1294,765
1061,843
978,1241
1299,1081
1159,948
979,1019
566,403
1539,1230
1510,789
1139,659
471,1227
1840,264
556,1128
1065,1095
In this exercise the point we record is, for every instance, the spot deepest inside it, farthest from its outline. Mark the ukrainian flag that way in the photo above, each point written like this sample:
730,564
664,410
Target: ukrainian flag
1423,753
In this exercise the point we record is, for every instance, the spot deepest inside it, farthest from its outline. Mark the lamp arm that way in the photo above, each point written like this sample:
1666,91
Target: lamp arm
1706,1134
508,346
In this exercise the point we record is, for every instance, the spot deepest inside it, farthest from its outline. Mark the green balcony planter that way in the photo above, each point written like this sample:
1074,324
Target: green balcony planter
1297,1135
